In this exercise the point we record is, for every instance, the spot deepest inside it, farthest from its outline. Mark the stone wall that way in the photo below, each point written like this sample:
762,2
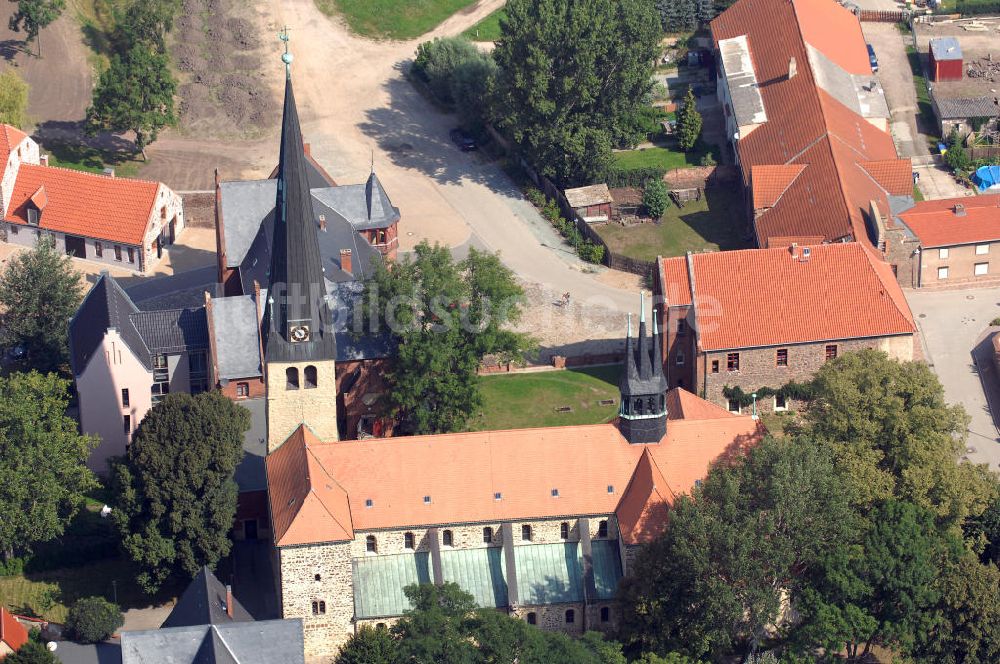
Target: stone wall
552,617
758,366
288,408
319,573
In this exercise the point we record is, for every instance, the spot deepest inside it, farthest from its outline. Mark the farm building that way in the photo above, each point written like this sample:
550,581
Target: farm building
946,59
592,202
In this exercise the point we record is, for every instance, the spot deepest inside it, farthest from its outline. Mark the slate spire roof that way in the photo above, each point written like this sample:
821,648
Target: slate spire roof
297,289
204,603
643,372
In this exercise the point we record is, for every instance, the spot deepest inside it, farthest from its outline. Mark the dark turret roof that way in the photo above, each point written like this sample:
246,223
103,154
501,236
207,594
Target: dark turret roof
297,286
643,370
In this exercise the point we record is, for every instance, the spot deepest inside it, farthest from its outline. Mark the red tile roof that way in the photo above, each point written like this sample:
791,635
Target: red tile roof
894,175
10,138
683,405
642,511
840,292
86,204
459,475
806,127
770,182
936,224
12,632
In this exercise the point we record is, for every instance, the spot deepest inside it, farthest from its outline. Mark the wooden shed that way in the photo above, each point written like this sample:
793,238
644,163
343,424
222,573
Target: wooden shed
592,202
946,59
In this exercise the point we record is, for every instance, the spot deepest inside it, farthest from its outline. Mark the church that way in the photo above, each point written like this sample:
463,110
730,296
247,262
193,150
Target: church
541,523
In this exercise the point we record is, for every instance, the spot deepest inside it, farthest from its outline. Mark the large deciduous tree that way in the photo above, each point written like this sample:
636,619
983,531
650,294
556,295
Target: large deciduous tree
136,93
573,78
34,15
175,488
444,317
42,461
13,99
93,619
890,428
369,645
40,292
717,577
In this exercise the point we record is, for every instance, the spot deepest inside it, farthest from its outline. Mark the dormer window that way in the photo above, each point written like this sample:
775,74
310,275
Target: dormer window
32,216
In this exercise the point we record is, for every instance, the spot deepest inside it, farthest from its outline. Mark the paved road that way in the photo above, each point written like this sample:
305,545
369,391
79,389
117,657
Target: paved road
953,324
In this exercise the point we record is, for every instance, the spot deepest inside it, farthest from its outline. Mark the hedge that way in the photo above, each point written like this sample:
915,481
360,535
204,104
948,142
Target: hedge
634,177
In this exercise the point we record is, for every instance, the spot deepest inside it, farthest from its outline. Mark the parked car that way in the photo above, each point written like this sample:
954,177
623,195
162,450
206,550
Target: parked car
872,60
464,142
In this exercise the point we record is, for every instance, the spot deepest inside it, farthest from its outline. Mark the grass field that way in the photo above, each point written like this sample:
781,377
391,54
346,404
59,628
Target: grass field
487,30
710,224
667,156
392,18
519,401
83,158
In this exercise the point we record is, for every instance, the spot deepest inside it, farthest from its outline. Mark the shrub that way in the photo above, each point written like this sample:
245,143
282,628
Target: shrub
688,122
93,619
437,61
708,159
655,198
633,177
956,157
12,567
995,322
591,252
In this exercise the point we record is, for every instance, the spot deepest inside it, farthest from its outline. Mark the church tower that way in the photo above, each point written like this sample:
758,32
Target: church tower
299,344
643,414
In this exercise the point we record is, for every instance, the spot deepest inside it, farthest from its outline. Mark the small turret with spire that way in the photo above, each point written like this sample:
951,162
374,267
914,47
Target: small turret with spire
643,412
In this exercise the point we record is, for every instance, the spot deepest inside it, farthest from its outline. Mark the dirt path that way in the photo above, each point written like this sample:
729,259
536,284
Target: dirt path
897,81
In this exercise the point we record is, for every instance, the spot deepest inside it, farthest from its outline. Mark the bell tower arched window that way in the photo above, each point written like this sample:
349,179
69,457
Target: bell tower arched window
310,377
292,378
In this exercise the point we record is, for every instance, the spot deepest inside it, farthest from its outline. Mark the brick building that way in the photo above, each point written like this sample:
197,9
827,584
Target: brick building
808,123
117,221
762,318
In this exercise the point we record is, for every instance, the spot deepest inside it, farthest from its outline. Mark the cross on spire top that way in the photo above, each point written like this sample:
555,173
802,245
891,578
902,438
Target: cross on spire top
286,57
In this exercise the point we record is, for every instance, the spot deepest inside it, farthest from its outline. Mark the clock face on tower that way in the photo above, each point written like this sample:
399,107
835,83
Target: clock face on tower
300,333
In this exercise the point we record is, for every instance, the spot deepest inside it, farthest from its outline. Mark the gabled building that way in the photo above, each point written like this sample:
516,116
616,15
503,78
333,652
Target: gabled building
118,221
807,123
13,634
765,317
209,626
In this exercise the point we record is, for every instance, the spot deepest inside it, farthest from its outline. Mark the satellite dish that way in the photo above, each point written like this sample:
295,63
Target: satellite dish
52,645
105,512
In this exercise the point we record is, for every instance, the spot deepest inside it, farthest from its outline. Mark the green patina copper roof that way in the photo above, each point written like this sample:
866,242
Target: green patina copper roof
549,573
607,567
379,583
480,572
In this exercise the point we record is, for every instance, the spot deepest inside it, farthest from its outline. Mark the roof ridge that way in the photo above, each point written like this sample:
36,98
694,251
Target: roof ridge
312,490
876,269
92,174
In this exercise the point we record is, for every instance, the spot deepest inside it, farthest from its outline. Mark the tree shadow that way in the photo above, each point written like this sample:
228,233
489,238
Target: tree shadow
414,135
9,48
69,141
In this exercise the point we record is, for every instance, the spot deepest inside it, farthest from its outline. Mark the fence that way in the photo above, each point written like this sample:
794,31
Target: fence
983,152
883,16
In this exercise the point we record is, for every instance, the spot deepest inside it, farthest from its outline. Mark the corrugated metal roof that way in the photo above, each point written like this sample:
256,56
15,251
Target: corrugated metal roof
480,572
946,48
379,583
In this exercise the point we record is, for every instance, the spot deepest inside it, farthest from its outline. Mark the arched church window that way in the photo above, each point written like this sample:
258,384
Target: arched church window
292,378
310,377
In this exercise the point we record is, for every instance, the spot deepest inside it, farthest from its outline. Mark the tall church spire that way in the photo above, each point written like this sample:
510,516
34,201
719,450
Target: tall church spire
643,414
298,327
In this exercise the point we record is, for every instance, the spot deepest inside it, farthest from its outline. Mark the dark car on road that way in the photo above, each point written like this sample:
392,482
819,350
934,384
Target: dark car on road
464,142
872,60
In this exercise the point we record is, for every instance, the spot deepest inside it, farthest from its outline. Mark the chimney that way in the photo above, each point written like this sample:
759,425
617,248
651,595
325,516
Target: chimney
959,209
345,261
229,600
793,68
109,172
322,222
794,250
43,160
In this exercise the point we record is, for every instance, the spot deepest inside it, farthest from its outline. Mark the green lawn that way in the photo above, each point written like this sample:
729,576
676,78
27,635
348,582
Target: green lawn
520,401
486,30
917,195
83,158
710,224
926,120
392,18
668,156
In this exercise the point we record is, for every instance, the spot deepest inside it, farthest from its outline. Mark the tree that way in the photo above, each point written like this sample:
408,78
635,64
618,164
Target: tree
983,532
40,291
471,83
717,577
369,645
32,652
435,629
136,93
966,620
655,198
144,23
34,15
42,461
890,429
678,15
573,77
444,317
688,122
13,99
438,60
93,619
175,489
881,590
957,158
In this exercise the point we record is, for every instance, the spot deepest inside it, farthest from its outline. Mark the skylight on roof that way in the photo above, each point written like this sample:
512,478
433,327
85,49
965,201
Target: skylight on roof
369,502
611,488
427,500
497,496
555,493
